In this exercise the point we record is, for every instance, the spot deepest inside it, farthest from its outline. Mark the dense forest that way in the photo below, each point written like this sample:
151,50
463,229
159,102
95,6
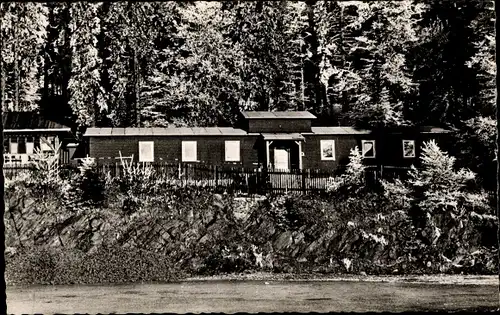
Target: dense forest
362,63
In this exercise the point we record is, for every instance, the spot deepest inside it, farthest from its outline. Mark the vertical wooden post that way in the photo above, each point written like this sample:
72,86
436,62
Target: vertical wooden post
257,180
309,177
300,154
216,176
267,154
303,180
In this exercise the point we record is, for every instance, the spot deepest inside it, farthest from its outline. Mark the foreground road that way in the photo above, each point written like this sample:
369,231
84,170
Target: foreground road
251,296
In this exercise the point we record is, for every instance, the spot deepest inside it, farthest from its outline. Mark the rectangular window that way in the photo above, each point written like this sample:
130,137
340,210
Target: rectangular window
46,143
232,149
30,145
368,148
408,148
189,151
6,145
146,151
13,145
327,149
21,145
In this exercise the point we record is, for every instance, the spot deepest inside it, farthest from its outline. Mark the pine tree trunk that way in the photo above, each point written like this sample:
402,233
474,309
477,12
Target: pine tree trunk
302,83
96,120
16,65
313,80
65,72
47,61
2,79
16,80
104,54
136,89
343,96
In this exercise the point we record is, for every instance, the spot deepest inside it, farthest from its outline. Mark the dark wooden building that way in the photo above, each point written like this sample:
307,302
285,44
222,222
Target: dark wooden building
278,140
25,132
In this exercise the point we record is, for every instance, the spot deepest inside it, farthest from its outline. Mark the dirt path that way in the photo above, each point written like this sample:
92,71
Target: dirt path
231,296
437,279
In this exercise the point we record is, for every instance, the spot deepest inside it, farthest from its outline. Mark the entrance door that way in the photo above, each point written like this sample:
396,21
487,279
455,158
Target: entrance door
281,159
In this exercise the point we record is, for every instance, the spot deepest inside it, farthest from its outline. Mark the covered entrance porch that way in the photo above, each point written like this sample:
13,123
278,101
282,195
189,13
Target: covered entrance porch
283,151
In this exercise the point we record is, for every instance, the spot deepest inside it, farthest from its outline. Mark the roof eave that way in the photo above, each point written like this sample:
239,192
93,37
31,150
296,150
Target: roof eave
38,130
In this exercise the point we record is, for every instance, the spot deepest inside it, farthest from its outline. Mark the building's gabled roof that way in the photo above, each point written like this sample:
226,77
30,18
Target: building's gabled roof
29,121
354,131
171,131
229,131
278,115
430,129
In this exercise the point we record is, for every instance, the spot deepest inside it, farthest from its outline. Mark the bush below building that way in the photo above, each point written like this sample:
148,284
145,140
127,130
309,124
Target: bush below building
95,229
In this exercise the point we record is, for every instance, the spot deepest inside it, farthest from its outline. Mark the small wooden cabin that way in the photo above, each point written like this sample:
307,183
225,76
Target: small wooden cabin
277,140
24,132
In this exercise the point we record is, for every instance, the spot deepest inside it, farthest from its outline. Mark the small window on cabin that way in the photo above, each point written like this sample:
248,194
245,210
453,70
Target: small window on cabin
30,145
46,143
146,151
327,149
408,148
368,148
189,151
232,149
6,145
13,145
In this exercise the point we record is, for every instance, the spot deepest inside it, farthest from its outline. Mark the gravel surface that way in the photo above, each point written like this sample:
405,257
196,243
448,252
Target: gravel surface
261,294
439,279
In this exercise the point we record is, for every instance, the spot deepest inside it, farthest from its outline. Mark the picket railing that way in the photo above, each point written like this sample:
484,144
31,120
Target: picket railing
242,180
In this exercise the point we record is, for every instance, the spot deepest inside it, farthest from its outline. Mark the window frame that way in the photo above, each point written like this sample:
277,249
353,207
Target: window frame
363,152
47,144
142,158
323,145
183,150
13,140
21,145
414,149
30,149
238,159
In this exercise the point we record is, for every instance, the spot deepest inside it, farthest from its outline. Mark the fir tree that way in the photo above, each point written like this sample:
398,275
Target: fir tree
86,93
23,33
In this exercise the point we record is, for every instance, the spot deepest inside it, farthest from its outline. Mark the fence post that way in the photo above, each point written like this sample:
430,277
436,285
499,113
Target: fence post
303,181
216,177
185,173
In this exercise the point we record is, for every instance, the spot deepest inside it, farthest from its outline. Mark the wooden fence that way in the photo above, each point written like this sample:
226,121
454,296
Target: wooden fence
242,180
